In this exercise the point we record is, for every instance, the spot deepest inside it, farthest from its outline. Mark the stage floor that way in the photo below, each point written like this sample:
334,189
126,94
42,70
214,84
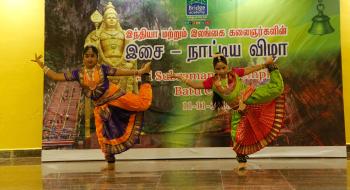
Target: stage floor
203,174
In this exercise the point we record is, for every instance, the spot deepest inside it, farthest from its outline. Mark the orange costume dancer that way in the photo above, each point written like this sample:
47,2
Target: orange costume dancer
118,115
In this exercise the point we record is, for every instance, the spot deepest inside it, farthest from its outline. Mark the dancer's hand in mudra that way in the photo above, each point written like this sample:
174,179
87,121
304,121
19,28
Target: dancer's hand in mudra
270,60
146,68
38,60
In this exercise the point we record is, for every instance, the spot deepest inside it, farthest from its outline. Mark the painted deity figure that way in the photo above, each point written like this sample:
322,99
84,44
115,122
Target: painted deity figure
109,38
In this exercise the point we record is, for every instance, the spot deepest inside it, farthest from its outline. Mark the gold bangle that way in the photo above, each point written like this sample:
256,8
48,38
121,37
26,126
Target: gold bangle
46,69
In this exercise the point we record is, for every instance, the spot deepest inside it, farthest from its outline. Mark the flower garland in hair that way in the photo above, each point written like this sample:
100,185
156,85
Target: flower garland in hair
218,56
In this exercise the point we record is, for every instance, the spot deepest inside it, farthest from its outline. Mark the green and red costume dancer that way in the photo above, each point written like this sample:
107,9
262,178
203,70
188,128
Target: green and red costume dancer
260,122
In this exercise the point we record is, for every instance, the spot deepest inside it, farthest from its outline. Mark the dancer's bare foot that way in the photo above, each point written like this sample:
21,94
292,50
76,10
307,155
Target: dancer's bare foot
242,166
240,172
110,167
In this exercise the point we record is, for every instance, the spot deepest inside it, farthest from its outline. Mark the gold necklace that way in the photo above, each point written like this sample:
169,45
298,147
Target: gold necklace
90,78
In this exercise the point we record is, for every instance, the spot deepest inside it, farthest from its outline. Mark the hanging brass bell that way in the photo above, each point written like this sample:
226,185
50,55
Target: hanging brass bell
320,22
320,25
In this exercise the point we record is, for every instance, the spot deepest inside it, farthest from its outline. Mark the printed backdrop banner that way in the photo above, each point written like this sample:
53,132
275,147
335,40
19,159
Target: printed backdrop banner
181,37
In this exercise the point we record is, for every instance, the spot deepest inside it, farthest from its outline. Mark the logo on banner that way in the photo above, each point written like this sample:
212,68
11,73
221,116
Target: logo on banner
197,7
197,13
